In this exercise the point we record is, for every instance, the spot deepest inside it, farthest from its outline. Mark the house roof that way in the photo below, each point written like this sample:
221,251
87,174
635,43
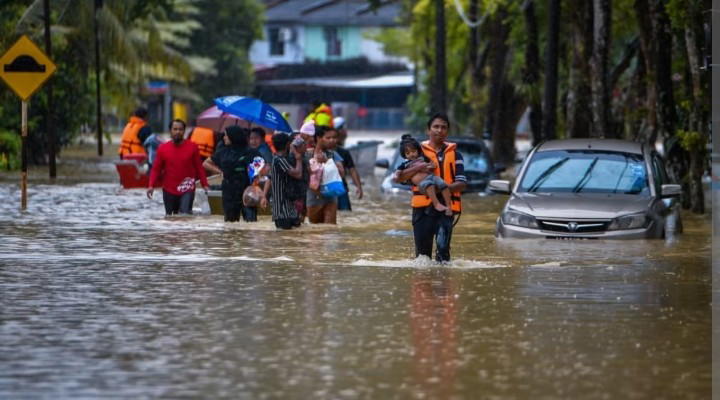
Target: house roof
332,12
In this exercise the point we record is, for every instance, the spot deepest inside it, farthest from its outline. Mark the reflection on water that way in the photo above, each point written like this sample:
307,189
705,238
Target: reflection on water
100,294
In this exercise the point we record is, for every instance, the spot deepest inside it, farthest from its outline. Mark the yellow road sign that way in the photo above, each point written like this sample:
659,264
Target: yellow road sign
24,67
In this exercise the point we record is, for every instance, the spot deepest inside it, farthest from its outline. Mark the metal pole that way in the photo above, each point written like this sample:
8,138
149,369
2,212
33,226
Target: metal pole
167,108
98,5
49,122
23,167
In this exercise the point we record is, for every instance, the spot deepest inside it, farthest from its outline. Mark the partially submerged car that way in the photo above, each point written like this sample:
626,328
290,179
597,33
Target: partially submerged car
590,189
479,167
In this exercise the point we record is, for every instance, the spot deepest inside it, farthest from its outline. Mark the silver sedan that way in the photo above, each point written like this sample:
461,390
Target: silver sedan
590,189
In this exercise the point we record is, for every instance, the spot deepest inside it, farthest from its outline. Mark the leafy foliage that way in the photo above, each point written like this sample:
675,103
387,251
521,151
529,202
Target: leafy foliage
199,44
228,28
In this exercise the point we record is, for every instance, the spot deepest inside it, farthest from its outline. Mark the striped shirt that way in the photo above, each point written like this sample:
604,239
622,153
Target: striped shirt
282,206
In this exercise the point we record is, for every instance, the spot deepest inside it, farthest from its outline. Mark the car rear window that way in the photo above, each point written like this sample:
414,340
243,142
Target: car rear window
585,171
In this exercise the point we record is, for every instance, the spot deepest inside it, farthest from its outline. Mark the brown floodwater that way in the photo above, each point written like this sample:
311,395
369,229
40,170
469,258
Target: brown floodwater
102,296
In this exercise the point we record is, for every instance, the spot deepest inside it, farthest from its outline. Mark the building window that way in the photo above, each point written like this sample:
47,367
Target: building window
277,44
332,41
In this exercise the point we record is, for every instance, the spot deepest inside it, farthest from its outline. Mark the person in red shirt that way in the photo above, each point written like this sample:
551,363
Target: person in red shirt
178,163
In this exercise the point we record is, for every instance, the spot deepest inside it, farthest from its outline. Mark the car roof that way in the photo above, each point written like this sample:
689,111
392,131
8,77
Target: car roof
624,146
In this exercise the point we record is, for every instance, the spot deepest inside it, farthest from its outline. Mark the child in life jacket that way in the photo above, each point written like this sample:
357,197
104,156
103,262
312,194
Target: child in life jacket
428,184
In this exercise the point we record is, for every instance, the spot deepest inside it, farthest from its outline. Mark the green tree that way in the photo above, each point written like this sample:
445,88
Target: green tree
228,28
140,40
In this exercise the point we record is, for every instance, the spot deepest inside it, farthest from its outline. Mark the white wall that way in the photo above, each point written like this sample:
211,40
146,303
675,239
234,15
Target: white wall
260,49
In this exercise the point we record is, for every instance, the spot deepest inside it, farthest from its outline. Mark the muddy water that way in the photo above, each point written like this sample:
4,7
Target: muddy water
101,296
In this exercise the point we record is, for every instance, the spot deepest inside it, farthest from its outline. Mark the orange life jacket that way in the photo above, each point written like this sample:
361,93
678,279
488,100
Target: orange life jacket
445,170
129,142
268,141
204,138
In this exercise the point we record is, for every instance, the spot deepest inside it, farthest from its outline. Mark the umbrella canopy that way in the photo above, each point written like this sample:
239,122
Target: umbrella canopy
253,110
217,120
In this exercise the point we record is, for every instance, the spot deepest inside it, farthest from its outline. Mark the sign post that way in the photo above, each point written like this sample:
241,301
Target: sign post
23,165
25,68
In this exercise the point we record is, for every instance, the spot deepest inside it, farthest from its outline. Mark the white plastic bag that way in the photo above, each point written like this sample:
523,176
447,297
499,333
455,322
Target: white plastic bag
331,184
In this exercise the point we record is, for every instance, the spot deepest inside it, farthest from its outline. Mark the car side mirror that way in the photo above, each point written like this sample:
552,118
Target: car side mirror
670,190
499,186
382,163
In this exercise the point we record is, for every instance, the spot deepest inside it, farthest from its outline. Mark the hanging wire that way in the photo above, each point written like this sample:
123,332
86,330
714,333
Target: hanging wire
466,20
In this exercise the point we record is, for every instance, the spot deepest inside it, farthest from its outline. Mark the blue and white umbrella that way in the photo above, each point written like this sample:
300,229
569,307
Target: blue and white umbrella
254,111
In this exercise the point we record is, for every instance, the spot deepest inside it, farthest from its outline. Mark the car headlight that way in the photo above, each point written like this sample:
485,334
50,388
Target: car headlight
519,219
632,221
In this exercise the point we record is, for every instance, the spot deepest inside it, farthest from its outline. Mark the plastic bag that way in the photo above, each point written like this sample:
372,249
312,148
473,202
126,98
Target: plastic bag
252,196
331,184
316,173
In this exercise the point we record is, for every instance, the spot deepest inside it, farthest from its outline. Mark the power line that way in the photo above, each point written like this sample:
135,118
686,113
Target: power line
466,20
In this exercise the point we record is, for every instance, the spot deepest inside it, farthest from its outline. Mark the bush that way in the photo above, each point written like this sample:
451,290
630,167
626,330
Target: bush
10,143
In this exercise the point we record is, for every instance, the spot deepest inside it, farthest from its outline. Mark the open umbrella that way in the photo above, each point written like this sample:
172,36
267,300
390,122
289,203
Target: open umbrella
217,119
253,110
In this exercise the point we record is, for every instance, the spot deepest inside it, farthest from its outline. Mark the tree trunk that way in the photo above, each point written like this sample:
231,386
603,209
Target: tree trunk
663,61
476,62
599,68
697,123
511,109
678,158
649,132
636,124
531,74
579,119
439,99
551,72
498,67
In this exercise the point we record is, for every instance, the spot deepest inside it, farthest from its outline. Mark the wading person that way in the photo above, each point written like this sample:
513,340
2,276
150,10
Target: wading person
321,114
178,163
233,161
349,165
299,188
134,134
285,178
256,141
322,209
447,163
427,183
151,144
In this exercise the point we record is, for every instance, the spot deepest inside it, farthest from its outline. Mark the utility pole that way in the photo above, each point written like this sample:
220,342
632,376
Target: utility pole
439,101
49,120
98,6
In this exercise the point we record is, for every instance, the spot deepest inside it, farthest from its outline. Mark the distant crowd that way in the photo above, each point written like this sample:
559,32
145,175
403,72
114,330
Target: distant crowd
297,175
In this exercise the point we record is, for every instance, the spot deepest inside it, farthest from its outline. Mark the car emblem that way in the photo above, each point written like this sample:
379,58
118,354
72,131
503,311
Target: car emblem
572,226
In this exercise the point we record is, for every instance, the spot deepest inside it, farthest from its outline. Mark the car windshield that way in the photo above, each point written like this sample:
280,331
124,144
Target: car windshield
585,171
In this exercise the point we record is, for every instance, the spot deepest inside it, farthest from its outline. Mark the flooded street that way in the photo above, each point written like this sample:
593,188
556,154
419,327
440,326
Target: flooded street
102,296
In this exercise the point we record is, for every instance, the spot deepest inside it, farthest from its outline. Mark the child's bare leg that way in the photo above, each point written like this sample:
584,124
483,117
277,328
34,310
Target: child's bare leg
430,191
446,196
